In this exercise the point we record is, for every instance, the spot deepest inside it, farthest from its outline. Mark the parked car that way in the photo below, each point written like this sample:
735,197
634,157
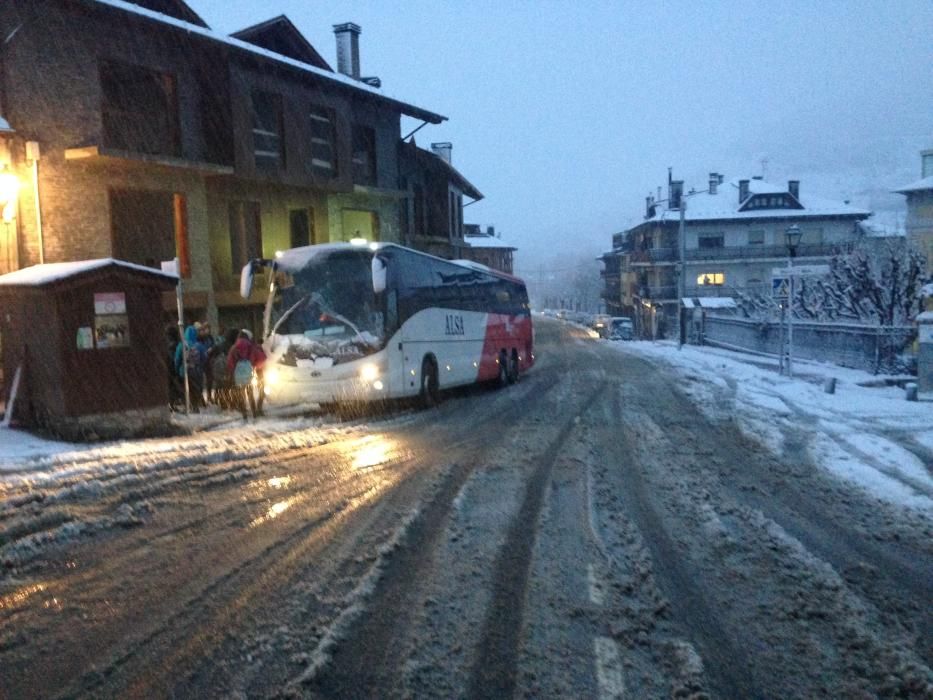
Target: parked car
601,324
621,328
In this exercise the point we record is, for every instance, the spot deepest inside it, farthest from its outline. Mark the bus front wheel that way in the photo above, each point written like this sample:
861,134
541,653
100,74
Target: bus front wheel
430,390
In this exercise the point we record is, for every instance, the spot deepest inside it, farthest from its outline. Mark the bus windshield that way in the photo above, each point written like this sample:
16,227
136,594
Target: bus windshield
327,310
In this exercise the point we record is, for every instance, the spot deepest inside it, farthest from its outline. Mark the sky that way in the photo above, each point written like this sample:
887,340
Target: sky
565,115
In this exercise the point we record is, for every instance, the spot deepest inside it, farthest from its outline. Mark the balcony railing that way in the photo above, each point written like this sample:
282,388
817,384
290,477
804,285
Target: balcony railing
654,255
745,252
778,252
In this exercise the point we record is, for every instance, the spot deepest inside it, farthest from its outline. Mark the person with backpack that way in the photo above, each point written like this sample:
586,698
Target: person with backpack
190,357
217,358
246,358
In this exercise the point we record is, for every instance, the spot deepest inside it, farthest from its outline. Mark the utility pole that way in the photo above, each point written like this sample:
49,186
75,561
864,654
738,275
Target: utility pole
682,280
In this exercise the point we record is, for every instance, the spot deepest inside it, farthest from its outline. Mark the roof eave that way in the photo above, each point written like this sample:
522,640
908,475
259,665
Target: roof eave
208,34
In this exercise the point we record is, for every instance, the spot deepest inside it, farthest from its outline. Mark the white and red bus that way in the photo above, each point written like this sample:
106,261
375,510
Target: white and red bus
368,321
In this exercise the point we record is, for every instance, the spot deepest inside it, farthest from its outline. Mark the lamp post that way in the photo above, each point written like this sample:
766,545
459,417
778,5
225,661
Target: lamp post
792,236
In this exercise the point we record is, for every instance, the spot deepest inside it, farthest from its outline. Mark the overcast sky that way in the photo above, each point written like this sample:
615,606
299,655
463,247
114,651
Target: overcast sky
566,114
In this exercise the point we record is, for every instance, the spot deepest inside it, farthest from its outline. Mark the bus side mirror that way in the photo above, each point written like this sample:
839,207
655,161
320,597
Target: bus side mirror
379,274
246,280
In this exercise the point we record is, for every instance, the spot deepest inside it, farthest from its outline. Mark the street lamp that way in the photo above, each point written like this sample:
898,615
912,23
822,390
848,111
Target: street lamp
792,236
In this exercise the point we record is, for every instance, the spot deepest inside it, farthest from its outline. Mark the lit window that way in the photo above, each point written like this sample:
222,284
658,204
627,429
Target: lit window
711,278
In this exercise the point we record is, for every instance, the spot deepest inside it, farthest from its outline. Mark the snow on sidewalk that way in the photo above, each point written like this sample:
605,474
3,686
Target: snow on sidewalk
868,435
37,462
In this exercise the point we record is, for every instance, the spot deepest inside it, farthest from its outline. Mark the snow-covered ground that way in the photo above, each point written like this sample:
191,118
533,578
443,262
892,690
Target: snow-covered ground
217,436
868,435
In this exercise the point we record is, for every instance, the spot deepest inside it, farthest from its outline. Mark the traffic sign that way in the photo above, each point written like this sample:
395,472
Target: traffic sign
780,287
800,271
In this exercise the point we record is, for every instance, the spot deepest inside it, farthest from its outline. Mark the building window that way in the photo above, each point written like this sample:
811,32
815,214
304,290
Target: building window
245,234
364,155
301,227
811,236
419,228
756,237
268,144
711,278
360,224
139,110
323,141
143,226
710,240
452,218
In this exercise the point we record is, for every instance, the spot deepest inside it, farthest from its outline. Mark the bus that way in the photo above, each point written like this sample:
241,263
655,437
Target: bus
360,321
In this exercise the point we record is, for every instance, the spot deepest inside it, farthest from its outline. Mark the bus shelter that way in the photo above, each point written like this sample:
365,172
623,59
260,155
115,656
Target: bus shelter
82,348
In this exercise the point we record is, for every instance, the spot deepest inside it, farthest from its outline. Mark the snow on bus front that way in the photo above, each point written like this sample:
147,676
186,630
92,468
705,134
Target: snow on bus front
327,319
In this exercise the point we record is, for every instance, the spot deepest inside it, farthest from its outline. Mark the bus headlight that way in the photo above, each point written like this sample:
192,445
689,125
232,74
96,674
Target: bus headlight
369,373
271,376
377,385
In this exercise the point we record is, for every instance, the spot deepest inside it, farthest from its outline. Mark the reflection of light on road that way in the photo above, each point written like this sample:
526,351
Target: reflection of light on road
280,482
276,510
371,452
20,596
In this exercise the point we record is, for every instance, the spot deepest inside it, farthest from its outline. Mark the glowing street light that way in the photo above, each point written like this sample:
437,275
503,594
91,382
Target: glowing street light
9,191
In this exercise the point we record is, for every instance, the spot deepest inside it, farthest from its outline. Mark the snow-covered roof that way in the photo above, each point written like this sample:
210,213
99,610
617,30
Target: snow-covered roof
5,125
724,205
927,290
709,302
918,186
38,275
925,316
877,229
484,241
210,34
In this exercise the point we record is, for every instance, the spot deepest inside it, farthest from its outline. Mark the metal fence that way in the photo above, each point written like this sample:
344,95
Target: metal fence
879,349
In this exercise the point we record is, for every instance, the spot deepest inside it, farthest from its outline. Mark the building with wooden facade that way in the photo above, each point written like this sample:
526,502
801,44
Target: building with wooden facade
134,131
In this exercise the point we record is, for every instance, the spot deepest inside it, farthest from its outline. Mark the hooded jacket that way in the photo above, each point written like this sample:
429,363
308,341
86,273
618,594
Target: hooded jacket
191,339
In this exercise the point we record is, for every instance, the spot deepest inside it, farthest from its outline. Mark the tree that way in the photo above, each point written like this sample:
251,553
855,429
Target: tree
878,283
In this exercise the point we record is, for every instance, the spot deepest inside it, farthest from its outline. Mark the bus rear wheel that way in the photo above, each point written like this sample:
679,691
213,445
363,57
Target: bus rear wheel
430,390
504,370
513,366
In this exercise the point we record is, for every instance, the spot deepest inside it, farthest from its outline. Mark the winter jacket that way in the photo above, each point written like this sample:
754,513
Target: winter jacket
195,347
245,349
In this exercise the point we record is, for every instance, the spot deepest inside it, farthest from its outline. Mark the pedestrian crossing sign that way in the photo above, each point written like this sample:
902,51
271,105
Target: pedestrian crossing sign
780,287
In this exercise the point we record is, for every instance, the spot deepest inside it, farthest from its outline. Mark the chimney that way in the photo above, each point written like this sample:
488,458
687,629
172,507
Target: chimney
743,190
677,192
720,176
491,231
443,150
348,49
793,186
713,182
649,207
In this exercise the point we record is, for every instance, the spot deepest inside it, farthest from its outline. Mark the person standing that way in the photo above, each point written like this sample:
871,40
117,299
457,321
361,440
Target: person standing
246,360
192,359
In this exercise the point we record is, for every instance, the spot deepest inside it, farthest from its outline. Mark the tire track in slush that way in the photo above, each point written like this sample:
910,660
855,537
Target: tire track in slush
724,664
494,670
367,660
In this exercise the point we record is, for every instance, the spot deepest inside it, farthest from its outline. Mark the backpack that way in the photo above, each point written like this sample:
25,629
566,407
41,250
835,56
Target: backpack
193,362
242,373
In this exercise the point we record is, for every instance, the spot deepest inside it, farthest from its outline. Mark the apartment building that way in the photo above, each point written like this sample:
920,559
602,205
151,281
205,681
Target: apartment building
919,222
133,130
733,238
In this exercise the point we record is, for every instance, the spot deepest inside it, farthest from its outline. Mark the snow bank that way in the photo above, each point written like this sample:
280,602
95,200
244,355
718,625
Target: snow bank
869,436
